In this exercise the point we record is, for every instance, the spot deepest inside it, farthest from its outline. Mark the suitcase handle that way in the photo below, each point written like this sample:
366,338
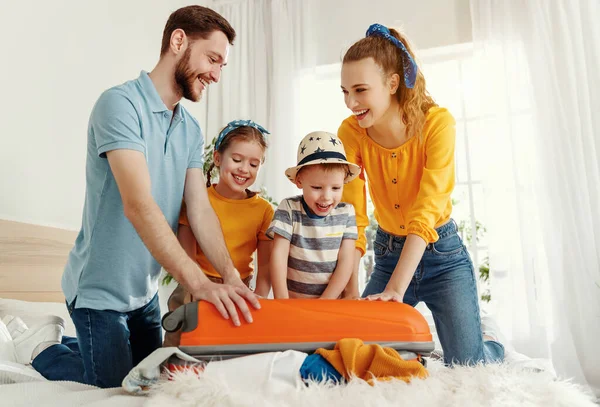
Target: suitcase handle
172,321
186,317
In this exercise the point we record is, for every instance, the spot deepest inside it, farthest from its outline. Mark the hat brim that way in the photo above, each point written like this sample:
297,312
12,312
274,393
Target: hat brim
292,172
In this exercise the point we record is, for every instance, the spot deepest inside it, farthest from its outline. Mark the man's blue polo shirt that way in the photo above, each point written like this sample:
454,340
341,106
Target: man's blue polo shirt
110,268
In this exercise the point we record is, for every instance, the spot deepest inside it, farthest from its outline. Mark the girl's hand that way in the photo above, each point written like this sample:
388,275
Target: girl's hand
386,295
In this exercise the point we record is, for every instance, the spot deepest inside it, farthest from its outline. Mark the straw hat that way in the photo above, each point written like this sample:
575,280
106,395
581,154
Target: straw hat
320,147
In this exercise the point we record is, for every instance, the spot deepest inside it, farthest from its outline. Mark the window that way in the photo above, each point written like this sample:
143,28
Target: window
452,79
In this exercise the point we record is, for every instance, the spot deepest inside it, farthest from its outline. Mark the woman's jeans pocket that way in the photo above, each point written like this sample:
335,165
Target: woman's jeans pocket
448,245
379,249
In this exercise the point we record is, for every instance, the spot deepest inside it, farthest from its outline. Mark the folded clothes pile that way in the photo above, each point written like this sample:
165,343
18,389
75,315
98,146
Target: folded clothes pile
350,358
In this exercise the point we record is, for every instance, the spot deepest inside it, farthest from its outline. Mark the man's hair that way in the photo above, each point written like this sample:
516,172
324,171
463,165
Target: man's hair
197,22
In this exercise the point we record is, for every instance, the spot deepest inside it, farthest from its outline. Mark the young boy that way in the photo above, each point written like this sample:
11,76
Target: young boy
314,233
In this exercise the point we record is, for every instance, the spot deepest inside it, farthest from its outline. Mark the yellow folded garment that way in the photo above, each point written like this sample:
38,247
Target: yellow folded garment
351,357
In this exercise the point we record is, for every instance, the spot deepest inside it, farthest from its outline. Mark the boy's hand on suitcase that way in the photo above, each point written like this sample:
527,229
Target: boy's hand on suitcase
225,297
351,295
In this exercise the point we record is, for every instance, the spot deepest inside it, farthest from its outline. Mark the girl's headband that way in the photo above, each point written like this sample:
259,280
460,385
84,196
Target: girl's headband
408,63
236,124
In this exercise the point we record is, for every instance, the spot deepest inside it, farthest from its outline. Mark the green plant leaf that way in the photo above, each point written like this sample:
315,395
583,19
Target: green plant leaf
167,279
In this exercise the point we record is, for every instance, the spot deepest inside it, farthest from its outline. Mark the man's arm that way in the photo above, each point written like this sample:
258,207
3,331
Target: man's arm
133,180
187,240
207,228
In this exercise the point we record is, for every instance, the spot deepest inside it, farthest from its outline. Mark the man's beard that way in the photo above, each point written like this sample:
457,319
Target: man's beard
185,78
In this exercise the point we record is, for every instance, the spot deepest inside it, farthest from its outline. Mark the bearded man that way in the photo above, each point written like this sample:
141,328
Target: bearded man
144,153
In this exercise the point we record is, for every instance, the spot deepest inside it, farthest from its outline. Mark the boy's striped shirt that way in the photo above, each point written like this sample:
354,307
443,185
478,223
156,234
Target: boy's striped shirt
314,243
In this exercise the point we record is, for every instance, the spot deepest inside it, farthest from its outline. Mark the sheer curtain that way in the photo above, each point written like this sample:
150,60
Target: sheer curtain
274,46
540,80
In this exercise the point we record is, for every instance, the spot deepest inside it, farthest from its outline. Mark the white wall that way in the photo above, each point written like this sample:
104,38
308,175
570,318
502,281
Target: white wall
428,23
57,57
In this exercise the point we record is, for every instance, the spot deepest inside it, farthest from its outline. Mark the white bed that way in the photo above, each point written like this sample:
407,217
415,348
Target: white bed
21,385
481,385
31,261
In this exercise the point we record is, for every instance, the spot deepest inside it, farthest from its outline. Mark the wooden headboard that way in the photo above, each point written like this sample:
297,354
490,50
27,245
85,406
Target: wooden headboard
32,259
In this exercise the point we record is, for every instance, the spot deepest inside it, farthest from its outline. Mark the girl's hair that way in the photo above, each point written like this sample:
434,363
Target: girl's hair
243,133
414,102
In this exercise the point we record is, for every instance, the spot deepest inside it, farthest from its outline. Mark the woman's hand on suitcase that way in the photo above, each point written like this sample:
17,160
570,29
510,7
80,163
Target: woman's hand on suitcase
225,297
386,295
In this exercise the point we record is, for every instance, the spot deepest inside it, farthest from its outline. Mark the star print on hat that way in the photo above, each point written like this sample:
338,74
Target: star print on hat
320,147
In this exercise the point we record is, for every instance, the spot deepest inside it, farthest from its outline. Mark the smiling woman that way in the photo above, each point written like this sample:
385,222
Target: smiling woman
404,143
452,76
394,142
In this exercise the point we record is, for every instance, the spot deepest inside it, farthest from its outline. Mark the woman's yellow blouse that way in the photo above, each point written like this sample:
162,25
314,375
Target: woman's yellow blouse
410,185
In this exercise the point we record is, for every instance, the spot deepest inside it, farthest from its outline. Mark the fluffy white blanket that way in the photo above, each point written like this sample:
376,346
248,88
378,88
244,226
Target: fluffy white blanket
491,385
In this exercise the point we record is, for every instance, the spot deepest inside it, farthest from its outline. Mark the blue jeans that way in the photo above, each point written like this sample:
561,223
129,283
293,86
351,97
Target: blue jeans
445,281
108,345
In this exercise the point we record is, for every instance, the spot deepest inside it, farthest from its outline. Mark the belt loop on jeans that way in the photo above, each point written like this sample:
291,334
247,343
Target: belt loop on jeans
390,242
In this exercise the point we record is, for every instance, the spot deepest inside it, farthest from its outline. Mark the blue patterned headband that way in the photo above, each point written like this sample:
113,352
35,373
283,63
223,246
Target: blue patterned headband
408,63
236,124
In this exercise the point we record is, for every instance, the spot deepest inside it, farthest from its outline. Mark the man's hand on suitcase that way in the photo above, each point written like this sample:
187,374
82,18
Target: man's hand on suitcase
225,297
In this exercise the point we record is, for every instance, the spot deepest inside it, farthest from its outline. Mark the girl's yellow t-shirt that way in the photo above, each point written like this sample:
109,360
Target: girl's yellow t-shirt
410,185
244,222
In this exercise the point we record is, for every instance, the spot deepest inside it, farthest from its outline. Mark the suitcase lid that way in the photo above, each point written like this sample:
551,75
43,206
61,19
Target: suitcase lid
305,324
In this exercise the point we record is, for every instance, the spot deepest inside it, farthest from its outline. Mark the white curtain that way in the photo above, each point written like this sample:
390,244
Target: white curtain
540,86
274,46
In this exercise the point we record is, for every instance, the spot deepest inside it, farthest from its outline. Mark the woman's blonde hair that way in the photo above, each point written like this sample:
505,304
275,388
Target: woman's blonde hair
416,101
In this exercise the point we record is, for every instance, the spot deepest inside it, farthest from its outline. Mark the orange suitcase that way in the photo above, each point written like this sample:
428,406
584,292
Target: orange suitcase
299,324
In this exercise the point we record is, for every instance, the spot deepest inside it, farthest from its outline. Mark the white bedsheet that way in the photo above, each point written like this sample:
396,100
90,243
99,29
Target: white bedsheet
22,386
65,394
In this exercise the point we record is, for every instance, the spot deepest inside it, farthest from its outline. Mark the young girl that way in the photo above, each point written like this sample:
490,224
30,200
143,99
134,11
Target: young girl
404,143
244,216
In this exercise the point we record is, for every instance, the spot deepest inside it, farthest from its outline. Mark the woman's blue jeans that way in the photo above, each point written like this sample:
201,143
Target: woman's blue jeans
445,281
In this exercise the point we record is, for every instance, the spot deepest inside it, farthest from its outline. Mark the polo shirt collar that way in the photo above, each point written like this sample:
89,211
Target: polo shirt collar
154,100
